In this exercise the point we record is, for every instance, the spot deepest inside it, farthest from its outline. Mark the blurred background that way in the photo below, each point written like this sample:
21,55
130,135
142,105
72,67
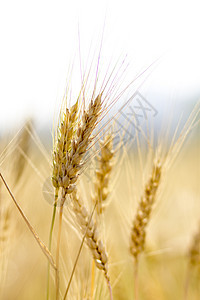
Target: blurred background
40,39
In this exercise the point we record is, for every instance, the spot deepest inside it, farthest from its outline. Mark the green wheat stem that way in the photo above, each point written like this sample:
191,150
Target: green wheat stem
50,239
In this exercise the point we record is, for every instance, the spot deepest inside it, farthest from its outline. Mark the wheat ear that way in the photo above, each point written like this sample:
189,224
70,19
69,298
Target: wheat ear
92,237
138,232
65,133
67,161
103,172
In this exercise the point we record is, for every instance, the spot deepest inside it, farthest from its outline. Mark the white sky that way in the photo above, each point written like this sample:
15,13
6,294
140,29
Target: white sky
38,40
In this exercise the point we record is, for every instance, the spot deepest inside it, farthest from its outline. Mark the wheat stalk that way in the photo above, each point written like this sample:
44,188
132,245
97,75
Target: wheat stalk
138,232
65,132
68,158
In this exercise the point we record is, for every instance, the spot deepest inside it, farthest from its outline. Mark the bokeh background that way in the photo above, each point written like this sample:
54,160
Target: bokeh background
40,39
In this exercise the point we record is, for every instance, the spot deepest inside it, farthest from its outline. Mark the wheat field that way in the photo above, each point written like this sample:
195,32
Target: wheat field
91,219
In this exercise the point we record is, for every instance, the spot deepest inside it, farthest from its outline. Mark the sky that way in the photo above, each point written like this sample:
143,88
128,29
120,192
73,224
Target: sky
40,39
